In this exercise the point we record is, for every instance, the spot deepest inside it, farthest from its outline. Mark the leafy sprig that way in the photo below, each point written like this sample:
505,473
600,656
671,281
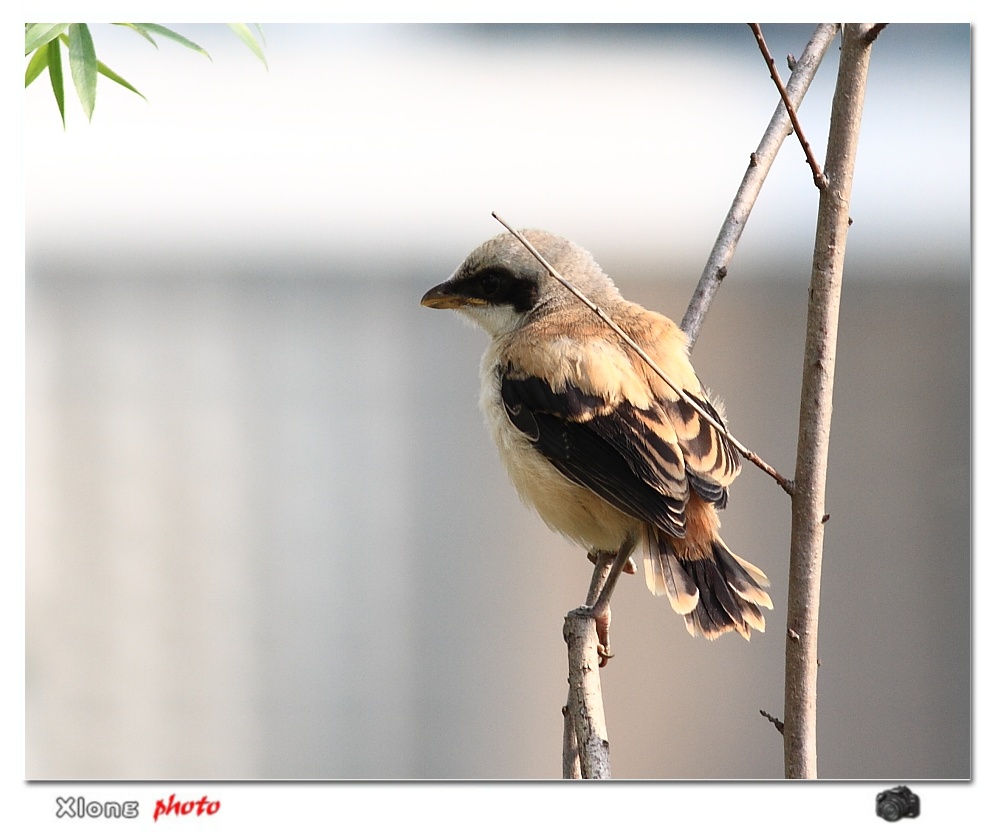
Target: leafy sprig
43,43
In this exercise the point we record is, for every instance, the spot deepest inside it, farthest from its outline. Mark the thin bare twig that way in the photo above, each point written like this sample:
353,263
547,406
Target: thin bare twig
874,31
760,162
820,181
755,459
775,721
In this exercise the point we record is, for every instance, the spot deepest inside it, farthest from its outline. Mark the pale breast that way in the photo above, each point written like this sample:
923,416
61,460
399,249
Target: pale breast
570,509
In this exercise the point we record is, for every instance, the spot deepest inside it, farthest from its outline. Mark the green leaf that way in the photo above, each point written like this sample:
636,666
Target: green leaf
54,49
38,34
148,29
83,66
37,65
134,27
107,72
249,40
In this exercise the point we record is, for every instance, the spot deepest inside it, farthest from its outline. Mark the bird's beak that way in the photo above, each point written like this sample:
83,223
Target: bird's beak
442,297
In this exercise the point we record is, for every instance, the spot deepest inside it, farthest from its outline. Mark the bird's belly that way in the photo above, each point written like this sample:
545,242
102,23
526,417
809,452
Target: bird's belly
566,507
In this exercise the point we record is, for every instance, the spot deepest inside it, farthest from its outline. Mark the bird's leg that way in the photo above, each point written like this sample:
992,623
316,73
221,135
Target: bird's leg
608,568
602,562
630,566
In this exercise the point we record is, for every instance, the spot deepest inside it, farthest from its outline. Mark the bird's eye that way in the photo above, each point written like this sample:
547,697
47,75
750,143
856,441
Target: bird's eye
490,284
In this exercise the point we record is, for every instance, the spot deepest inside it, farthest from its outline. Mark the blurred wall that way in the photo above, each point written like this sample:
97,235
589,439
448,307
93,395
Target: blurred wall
268,538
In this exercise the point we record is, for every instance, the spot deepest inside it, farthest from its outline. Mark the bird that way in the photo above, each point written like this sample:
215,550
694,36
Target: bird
606,452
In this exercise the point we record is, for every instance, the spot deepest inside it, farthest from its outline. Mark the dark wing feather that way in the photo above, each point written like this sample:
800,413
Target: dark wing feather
713,463
627,456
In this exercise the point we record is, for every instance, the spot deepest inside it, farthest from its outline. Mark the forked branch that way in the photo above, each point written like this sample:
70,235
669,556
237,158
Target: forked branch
760,162
816,172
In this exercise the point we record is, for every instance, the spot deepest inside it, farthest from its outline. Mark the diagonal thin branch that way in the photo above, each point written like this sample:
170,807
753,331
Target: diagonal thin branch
820,181
755,459
760,162
874,31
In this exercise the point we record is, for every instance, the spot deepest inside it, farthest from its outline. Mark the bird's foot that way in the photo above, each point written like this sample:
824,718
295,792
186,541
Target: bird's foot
602,622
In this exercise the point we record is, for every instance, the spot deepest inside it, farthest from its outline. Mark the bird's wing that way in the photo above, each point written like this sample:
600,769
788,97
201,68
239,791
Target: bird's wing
712,462
593,410
609,448
624,455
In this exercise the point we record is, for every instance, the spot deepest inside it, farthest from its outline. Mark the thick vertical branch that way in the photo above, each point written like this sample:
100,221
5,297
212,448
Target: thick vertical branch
808,503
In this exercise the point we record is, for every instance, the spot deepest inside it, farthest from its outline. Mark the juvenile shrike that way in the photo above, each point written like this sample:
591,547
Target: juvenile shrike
593,438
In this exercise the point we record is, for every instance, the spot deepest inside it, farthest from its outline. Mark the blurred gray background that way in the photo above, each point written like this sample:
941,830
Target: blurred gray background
267,535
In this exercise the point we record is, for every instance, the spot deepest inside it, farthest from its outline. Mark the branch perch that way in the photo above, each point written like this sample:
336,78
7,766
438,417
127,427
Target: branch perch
584,710
585,746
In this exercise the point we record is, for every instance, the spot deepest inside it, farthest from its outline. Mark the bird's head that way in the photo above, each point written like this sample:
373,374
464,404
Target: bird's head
501,285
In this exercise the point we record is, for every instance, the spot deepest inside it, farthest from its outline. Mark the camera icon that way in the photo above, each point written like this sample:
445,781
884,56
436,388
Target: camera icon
897,804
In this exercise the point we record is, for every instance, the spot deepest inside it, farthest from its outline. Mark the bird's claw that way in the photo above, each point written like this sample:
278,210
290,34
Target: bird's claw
603,654
602,623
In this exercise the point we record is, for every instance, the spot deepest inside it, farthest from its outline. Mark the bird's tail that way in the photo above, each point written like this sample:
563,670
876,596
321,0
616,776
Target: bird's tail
715,590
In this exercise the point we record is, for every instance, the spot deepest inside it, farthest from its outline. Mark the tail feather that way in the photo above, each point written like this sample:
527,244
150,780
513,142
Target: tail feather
744,578
758,576
713,615
720,608
715,594
664,575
